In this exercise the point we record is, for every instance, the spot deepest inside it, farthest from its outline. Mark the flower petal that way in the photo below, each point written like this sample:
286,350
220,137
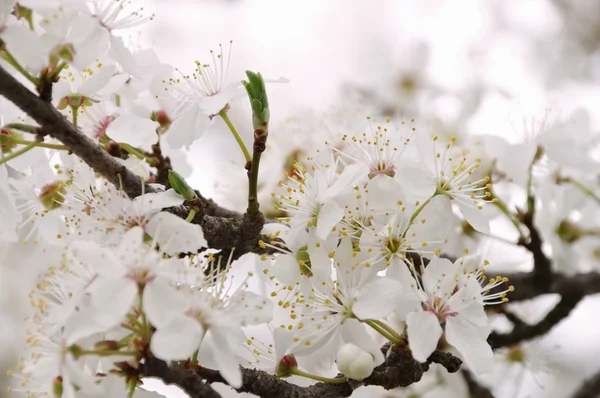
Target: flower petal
355,332
178,340
133,130
286,269
225,357
474,349
424,332
329,215
112,299
175,235
162,303
377,299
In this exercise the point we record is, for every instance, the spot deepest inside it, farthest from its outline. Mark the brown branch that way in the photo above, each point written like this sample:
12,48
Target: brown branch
221,233
590,388
186,379
522,332
60,128
542,269
527,286
476,390
399,370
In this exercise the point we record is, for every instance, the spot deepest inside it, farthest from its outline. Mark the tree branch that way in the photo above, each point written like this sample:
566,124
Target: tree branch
527,286
399,370
476,390
222,233
523,331
590,388
186,379
57,126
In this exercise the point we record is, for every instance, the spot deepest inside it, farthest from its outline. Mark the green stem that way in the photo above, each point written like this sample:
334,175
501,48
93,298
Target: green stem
7,56
40,144
498,238
583,188
504,209
58,69
190,216
75,110
236,135
133,151
388,329
146,332
24,127
417,212
383,332
337,380
18,153
253,205
194,361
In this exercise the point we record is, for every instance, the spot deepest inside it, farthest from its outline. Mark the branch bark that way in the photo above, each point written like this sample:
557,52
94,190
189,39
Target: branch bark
223,229
186,379
523,332
590,388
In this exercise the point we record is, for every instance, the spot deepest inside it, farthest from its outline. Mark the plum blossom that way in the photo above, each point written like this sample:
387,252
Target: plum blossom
327,314
199,97
309,197
452,308
440,173
209,320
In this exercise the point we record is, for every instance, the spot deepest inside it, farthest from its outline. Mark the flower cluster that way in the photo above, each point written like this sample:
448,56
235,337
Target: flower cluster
369,240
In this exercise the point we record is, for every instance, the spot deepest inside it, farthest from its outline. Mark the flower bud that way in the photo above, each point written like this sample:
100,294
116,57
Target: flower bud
180,186
286,365
255,86
57,387
355,363
52,195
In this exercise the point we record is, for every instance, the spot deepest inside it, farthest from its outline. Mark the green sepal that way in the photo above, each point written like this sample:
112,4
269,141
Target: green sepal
179,185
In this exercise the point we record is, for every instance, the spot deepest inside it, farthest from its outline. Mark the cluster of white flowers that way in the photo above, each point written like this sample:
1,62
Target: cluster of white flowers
365,224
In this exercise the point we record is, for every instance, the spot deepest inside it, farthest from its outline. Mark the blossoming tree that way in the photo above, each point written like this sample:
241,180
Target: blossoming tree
365,252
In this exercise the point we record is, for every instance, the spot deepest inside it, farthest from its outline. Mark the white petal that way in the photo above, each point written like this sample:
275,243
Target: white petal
329,215
112,299
320,263
113,84
424,332
440,277
225,357
133,130
178,340
184,129
478,218
175,235
474,349
282,341
355,332
99,79
256,309
100,259
286,269
153,202
162,303
213,104
377,299
25,45
346,180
